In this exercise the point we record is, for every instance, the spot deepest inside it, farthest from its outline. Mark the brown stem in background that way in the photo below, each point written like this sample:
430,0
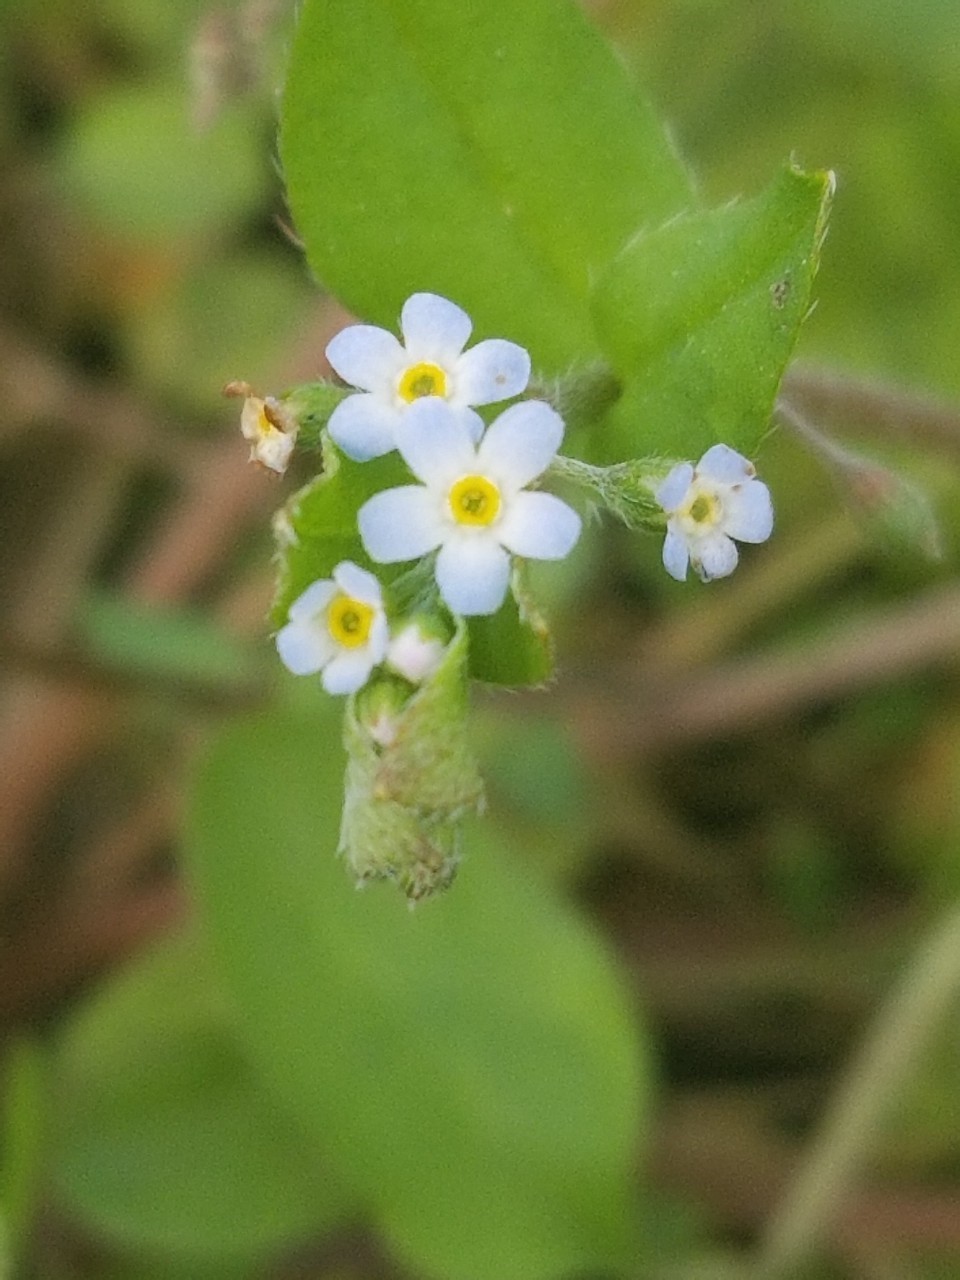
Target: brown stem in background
846,403
713,1151
37,390
624,714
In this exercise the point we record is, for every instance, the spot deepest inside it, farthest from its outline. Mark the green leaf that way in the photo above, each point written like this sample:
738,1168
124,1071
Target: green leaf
472,1067
318,526
166,1140
500,161
513,645
700,317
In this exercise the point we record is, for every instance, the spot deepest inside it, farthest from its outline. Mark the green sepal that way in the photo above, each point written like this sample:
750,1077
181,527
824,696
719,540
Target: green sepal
411,778
317,528
512,646
699,318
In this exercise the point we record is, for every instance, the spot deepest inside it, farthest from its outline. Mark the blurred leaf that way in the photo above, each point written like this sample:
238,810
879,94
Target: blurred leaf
165,1141
25,1107
318,526
699,319
500,161
472,1067
540,786
133,165
141,1266
232,318
165,644
805,874
541,779
923,1128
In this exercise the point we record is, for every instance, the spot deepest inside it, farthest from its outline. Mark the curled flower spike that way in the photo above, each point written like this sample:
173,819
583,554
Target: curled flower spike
337,627
271,431
707,507
472,503
431,361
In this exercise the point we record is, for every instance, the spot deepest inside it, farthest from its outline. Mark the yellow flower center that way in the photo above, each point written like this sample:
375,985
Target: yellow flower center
474,500
704,509
423,379
349,621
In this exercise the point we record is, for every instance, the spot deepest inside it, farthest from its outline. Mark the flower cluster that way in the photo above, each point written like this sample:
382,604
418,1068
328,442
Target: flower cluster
338,627
472,503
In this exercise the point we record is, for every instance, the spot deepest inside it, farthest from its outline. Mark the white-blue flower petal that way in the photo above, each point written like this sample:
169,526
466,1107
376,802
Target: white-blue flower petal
364,426
539,526
437,442
358,583
676,555
313,601
434,329
724,464
305,647
674,488
366,357
401,524
748,512
492,370
348,671
520,444
715,557
473,574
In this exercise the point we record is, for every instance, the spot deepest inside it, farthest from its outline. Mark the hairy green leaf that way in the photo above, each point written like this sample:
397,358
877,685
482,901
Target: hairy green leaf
318,526
500,158
700,316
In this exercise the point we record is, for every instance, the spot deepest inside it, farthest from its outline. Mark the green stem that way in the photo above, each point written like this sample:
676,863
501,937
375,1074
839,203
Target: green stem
891,1051
626,489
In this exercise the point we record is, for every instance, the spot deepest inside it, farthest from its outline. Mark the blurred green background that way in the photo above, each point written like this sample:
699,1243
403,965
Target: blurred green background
711,850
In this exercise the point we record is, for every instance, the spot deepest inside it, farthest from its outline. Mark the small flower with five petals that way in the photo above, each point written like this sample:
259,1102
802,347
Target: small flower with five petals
337,627
431,361
472,504
707,507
